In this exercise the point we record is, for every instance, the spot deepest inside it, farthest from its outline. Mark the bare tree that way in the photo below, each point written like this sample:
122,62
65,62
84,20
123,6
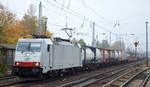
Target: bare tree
30,20
118,45
31,11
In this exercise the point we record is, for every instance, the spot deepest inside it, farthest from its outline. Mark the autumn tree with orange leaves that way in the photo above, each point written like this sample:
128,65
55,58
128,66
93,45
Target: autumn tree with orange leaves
12,29
14,32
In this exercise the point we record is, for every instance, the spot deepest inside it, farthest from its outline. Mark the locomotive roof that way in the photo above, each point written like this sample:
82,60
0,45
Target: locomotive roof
46,40
32,40
65,43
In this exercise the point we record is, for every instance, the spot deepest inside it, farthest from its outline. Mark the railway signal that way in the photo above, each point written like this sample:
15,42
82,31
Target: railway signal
136,44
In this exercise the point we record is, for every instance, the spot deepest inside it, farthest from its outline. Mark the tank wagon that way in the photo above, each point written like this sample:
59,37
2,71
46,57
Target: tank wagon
101,56
42,56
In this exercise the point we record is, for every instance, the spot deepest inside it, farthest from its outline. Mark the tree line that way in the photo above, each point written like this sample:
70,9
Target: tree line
11,28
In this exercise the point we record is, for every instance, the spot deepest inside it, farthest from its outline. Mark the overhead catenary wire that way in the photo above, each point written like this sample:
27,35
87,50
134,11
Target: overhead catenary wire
52,23
57,13
88,7
70,11
78,16
96,13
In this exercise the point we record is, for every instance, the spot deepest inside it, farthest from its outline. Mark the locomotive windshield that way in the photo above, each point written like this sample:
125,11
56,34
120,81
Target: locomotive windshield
28,46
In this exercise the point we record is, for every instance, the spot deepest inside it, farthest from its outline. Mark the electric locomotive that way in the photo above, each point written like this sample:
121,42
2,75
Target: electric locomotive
40,56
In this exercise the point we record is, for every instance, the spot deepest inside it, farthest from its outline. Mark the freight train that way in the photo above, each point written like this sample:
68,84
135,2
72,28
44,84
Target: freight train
42,56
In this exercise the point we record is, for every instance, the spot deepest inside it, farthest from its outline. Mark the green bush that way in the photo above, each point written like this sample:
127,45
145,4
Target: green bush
3,68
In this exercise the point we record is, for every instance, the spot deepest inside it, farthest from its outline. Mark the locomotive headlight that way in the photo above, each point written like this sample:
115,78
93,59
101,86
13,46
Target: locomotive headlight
37,64
27,54
17,63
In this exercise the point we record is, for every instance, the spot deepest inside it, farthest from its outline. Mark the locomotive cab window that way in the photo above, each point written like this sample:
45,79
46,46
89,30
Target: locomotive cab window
23,47
28,46
35,47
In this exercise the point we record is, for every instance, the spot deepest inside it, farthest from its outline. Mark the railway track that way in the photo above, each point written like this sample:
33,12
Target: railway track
52,82
4,75
93,81
55,82
15,82
146,82
138,80
7,80
134,78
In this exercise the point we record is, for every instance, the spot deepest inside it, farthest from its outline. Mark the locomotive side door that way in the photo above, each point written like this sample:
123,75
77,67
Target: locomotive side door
50,57
49,49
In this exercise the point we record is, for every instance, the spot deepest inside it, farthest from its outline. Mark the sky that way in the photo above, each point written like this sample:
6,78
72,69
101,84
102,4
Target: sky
130,15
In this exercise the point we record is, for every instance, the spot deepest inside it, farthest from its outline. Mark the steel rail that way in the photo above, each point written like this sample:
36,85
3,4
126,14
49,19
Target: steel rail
109,83
18,82
145,81
8,77
92,77
5,75
134,76
105,77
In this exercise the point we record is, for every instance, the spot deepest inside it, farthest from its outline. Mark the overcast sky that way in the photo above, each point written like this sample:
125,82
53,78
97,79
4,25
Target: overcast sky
130,14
